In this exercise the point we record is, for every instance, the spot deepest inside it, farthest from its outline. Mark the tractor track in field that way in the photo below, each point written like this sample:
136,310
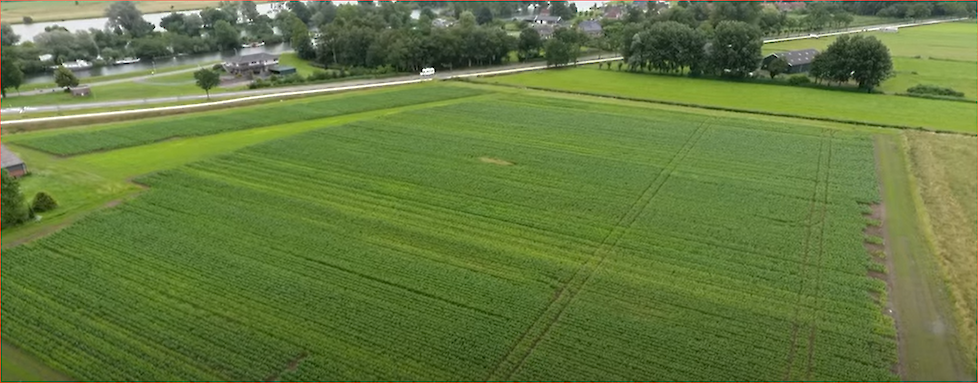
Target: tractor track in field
805,255
517,356
818,260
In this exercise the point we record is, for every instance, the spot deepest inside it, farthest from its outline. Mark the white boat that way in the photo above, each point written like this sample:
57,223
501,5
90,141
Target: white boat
127,60
76,65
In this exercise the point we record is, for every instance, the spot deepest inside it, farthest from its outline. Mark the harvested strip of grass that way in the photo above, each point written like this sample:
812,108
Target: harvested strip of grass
944,167
148,132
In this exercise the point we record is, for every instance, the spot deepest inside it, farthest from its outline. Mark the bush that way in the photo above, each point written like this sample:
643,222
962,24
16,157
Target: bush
43,202
799,80
319,75
28,20
218,67
934,90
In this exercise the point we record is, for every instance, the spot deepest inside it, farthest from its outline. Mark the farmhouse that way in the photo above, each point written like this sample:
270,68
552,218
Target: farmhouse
545,31
11,163
542,19
798,61
612,12
250,64
590,27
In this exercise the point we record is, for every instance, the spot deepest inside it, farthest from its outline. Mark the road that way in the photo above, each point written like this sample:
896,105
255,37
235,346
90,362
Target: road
370,83
245,93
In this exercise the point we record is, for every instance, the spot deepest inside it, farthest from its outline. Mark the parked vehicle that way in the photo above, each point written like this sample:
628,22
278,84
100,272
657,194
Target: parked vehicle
428,72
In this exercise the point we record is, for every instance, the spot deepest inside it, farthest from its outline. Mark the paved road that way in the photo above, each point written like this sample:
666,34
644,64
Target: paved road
373,82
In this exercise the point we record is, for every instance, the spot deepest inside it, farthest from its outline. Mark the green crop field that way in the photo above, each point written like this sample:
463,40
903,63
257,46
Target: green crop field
140,133
746,96
527,238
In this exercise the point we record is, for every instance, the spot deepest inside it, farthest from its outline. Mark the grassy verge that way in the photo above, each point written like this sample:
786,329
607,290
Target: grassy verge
162,86
944,167
929,345
16,366
93,81
301,66
746,96
13,12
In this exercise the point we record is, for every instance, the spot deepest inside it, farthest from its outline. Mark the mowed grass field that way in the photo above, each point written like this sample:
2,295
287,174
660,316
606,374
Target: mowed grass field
514,238
941,54
746,96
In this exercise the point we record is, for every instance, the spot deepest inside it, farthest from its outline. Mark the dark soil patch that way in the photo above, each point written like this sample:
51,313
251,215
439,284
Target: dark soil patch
290,367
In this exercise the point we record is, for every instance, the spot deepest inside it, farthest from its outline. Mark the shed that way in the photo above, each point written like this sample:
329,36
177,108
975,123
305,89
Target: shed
81,91
545,31
798,61
282,70
11,163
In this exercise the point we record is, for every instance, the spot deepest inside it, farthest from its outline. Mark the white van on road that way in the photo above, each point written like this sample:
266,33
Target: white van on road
427,72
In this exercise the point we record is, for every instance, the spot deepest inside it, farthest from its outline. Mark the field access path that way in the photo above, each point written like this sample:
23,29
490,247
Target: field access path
352,85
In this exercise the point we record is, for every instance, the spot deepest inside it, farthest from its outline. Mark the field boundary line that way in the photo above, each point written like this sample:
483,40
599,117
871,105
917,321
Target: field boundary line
569,290
813,203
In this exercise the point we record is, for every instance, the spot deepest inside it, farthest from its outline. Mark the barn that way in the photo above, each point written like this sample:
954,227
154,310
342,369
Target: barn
11,163
798,61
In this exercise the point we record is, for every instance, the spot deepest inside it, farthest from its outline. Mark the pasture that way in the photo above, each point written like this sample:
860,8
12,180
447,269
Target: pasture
748,96
515,238
942,54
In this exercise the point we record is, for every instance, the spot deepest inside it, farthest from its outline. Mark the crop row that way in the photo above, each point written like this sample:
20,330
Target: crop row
390,250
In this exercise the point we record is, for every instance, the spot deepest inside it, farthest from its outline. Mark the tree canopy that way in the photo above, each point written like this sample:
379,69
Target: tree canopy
207,79
862,59
13,210
735,48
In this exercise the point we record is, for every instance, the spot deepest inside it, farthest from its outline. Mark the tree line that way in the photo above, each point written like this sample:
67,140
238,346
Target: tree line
368,34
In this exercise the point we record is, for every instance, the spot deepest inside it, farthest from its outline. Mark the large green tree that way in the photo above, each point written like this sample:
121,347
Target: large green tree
301,41
65,78
207,79
13,210
529,44
124,16
11,76
736,48
859,58
226,36
668,47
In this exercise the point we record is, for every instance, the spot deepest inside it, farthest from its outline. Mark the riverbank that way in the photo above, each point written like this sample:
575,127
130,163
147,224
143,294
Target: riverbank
14,12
